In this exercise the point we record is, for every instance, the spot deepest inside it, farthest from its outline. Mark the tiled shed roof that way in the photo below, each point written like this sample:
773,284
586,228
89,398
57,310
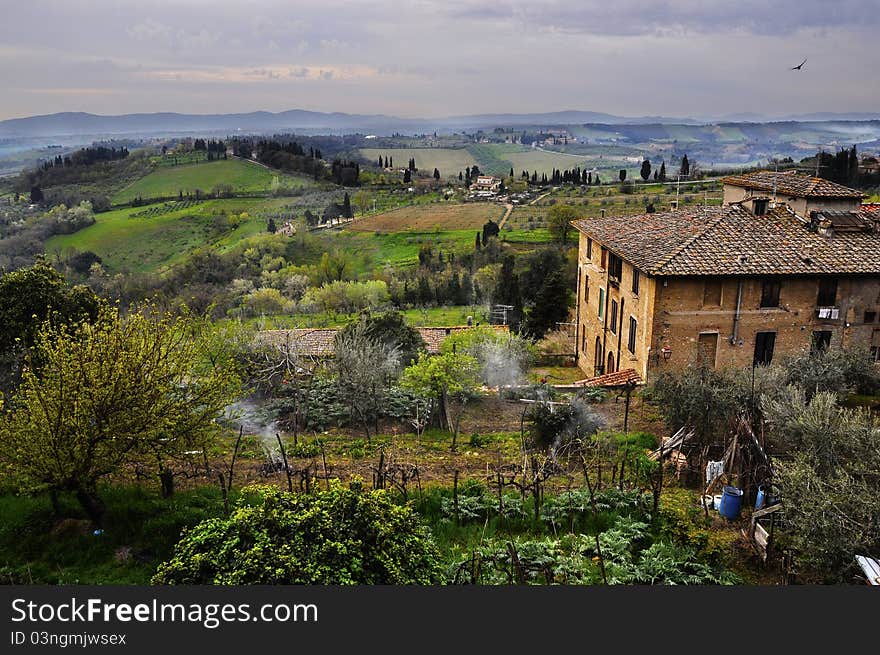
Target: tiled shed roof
792,183
616,379
320,342
730,240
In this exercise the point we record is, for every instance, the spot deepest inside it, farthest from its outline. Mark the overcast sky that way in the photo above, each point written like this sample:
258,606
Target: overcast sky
414,58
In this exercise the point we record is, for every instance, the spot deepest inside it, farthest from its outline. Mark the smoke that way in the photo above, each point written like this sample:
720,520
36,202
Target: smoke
252,420
503,360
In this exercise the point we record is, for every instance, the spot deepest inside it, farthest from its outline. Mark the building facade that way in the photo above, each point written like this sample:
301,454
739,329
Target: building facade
727,286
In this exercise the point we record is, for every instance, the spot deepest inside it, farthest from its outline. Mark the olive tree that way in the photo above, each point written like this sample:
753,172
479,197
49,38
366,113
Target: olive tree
830,481
97,397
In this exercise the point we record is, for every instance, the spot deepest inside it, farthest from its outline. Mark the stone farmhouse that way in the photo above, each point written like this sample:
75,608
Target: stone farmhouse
788,263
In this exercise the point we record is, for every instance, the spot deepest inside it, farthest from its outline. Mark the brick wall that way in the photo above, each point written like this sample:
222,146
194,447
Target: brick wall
686,308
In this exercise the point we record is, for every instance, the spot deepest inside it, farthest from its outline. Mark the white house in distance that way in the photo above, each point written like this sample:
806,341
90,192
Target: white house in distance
486,183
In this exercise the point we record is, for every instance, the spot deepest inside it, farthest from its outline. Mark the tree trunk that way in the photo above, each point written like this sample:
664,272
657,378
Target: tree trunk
166,477
442,411
92,505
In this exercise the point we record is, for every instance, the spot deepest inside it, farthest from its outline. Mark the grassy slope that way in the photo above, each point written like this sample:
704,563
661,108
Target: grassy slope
170,180
143,244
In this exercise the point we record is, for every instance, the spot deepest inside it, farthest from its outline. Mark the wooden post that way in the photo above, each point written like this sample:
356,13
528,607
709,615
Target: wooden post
286,467
234,455
324,464
629,388
224,493
455,494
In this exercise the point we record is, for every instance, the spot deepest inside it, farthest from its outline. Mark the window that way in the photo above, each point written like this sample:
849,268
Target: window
615,267
613,317
760,206
875,345
707,347
601,302
635,286
584,339
764,342
712,293
827,292
603,258
870,317
770,293
586,287
589,248
821,340
631,343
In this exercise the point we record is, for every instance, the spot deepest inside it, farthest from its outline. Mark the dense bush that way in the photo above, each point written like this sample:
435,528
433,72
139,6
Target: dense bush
340,536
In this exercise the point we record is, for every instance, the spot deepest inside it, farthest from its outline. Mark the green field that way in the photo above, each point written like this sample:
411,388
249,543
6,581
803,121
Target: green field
169,181
402,248
135,239
449,161
419,317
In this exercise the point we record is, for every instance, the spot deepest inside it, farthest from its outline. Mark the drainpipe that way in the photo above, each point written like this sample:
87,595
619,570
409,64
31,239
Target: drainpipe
605,318
620,331
736,316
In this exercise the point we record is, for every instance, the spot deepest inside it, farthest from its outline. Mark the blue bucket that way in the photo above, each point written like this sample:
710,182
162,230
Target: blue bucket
731,503
759,501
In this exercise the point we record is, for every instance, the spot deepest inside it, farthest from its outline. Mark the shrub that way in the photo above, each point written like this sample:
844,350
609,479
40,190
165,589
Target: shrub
340,536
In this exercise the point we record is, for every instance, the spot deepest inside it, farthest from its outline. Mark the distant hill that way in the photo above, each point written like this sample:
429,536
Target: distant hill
166,123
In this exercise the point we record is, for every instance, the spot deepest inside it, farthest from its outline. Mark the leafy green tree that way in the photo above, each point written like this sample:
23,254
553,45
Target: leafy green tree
622,175
550,306
490,229
503,356
559,219
645,171
334,266
28,298
662,175
437,174
507,290
119,392
335,537
449,376
271,227
362,201
685,168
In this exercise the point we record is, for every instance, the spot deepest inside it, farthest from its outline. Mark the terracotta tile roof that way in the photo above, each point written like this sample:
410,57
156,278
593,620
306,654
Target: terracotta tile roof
730,240
319,342
792,183
616,379
313,342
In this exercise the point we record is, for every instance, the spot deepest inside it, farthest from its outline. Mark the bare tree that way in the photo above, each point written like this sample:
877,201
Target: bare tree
366,367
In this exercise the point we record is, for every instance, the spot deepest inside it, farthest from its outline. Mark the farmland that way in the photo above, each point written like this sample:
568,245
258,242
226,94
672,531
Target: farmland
430,217
449,161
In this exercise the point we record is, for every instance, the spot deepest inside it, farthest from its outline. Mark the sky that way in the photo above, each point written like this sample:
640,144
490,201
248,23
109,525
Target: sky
412,58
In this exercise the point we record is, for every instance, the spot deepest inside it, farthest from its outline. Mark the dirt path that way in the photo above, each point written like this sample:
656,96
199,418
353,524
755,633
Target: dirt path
544,195
506,216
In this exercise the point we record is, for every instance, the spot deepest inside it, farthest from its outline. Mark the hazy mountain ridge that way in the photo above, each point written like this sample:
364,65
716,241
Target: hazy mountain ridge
81,123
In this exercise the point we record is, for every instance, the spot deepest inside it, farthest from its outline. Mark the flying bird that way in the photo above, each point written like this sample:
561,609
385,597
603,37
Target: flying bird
799,66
